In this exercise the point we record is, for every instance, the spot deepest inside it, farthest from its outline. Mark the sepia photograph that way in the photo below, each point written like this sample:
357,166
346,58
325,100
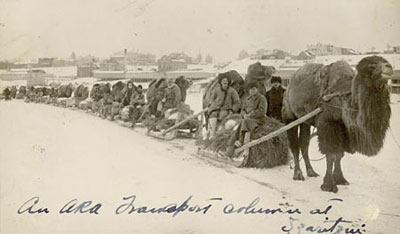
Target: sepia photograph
199,116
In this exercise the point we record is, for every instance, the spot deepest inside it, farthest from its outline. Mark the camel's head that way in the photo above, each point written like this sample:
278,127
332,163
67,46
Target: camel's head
182,82
258,70
375,68
371,98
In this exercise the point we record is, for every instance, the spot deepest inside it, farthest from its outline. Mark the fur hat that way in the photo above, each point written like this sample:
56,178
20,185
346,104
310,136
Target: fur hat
276,79
222,76
251,85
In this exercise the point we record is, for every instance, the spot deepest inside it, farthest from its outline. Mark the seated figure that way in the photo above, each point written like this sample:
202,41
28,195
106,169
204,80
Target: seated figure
137,102
172,97
254,115
224,101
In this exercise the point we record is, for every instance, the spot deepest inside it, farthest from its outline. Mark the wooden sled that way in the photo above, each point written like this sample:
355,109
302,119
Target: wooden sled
164,136
244,150
214,156
180,133
175,131
127,124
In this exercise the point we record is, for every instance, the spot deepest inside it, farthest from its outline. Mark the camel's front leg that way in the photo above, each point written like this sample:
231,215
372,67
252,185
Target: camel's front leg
329,184
337,172
294,147
304,144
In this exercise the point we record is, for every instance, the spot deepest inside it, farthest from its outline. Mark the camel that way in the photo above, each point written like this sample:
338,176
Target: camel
355,113
183,85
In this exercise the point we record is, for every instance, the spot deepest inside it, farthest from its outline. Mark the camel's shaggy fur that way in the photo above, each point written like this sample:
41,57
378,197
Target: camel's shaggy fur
354,118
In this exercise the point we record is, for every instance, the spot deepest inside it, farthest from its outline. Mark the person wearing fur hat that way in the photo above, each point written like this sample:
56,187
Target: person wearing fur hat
253,112
7,93
224,101
128,91
172,96
275,98
137,102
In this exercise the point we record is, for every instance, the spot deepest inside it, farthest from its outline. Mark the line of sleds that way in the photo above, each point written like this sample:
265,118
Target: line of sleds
332,98
107,101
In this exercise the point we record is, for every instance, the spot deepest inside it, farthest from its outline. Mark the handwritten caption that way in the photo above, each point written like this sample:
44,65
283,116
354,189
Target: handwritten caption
128,207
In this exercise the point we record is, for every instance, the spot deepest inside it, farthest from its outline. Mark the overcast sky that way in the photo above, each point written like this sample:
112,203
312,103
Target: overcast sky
54,28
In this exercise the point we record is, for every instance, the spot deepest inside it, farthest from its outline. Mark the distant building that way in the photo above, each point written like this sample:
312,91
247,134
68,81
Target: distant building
5,65
209,59
86,59
21,65
320,49
346,51
134,58
86,70
393,50
45,62
173,62
198,59
305,55
264,54
166,63
111,65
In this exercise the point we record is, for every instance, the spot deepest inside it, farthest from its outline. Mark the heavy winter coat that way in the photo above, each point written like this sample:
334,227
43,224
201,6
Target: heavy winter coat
172,97
137,99
225,100
275,100
256,107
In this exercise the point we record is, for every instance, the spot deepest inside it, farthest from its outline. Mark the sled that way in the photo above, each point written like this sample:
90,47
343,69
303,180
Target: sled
279,131
238,160
177,125
244,150
215,156
127,124
167,137
177,129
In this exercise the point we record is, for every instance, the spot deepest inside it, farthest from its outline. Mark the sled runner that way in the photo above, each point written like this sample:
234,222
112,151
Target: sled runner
180,129
215,156
167,137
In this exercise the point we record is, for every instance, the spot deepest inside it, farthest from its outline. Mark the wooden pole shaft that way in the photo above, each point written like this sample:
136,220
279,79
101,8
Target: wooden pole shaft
279,131
184,121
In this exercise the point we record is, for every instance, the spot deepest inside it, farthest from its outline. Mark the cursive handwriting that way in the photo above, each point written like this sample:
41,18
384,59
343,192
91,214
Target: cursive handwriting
129,206
336,227
170,208
251,209
85,207
29,206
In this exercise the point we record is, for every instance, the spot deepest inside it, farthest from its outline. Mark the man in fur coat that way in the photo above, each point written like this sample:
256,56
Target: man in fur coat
224,101
275,98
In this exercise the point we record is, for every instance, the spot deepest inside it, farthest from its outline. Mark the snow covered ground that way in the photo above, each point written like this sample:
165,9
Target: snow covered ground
59,154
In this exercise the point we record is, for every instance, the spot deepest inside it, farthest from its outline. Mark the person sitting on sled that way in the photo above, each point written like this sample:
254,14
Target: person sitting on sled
172,97
254,115
106,101
7,94
224,101
137,102
128,92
